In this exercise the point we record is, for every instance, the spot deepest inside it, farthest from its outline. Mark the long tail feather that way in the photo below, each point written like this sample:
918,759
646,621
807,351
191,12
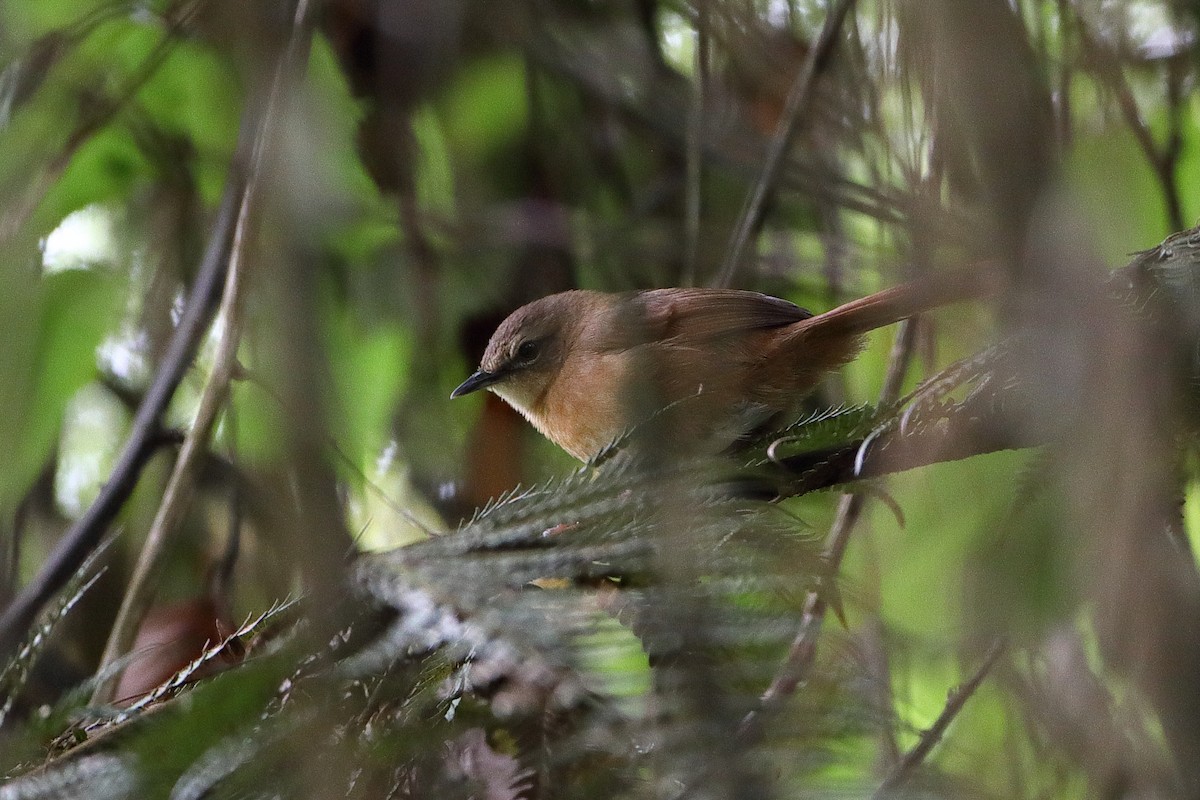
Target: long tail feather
899,302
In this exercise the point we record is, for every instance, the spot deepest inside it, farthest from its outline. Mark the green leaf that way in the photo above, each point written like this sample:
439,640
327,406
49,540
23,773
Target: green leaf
485,109
435,173
368,372
197,724
50,330
105,168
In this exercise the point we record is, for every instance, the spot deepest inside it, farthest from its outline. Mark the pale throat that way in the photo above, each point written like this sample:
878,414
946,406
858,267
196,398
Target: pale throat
519,397
527,402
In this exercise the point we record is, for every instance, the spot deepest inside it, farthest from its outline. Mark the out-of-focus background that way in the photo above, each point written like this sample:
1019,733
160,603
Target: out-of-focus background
248,249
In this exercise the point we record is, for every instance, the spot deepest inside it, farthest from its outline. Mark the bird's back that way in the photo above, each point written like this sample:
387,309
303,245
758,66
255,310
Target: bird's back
693,359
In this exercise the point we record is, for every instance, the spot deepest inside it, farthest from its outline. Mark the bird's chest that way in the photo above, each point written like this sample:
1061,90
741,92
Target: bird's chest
587,405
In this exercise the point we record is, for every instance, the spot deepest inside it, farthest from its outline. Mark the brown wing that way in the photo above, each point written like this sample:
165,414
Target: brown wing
692,316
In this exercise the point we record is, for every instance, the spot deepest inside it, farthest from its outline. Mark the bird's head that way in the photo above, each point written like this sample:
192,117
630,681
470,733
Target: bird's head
527,351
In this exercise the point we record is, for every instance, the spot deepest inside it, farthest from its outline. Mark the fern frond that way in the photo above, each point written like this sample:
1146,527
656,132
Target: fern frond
104,776
188,672
16,670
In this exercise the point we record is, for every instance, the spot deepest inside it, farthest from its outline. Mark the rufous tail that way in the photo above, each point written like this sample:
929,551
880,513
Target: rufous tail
900,302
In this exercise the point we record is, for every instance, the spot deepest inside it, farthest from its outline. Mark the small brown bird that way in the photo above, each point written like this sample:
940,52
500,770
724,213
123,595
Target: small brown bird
584,367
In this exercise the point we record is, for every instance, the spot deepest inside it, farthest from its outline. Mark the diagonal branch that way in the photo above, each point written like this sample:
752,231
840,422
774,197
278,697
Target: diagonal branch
177,496
958,698
1163,162
83,536
798,101
802,652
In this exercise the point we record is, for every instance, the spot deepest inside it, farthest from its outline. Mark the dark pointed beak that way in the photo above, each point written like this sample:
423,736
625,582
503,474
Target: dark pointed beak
480,380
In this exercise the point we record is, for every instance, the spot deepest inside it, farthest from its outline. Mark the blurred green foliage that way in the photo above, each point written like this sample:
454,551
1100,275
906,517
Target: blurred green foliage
523,171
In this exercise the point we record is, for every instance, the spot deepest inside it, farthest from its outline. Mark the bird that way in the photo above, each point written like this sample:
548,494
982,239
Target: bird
707,365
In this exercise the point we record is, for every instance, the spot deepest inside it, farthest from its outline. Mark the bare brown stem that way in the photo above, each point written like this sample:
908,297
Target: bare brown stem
83,537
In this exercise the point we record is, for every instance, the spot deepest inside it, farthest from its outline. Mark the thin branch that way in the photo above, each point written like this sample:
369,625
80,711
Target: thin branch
1163,162
955,702
799,100
851,504
26,72
884,205
178,494
85,534
220,585
803,650
1173,147
695,150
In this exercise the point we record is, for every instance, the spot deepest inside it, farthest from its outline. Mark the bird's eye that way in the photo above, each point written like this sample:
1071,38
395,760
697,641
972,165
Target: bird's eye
528,351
